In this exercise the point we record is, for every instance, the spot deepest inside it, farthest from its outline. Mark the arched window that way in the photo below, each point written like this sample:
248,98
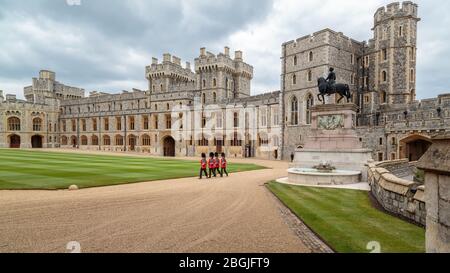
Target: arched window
295,60
146,140
14,124
64,140
119,140
294,111
214,82
311,56
214,97
294,79
204,83
94,140
309,105
383,97
309,75
203,98
37,124
162,88
106,140
400,31
384,76
84,140
413,95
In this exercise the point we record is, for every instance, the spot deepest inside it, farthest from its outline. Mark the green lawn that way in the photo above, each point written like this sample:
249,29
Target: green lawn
23,169
347,221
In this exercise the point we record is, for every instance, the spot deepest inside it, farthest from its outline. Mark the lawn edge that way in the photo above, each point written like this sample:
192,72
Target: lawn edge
298,217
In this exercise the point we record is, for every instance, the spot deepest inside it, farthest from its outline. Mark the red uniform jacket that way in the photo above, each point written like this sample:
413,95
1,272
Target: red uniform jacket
211,163
223,163
203,164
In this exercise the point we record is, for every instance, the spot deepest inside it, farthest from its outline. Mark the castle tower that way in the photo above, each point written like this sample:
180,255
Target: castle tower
394,52
219,77
169,75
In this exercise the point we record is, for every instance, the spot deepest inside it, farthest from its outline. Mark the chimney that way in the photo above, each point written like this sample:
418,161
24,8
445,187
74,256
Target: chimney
188,65
154,61
238,55
167,58
227,51
202,51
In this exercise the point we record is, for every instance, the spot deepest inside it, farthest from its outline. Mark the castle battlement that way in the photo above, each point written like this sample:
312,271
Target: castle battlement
223,62
396,9
170,67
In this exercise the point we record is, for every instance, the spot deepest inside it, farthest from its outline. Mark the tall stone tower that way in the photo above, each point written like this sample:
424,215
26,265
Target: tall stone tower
394,52
220,77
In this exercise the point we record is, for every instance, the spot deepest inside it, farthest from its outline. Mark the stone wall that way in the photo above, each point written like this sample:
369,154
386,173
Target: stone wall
398,196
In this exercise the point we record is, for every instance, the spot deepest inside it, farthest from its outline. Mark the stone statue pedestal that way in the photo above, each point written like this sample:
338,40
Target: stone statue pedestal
333,138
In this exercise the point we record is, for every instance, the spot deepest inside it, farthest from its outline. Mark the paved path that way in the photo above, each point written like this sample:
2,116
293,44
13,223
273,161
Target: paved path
235,214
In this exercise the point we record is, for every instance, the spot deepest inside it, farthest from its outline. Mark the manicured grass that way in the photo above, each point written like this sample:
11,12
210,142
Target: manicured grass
23,169
347,221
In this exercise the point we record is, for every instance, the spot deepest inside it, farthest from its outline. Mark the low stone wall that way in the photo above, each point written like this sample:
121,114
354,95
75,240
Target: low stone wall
399,196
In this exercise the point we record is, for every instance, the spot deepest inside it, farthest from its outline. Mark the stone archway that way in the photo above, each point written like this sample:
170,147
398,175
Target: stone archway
169,146
413,147
14,141
132,142
74,141
36,142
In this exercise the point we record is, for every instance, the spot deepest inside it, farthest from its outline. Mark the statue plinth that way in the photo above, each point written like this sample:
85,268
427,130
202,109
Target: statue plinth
333,138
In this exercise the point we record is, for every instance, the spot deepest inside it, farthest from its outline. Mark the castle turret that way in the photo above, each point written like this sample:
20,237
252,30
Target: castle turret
221,77
395,44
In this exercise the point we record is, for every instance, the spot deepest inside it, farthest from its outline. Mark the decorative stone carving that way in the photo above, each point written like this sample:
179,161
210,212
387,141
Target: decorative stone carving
331,122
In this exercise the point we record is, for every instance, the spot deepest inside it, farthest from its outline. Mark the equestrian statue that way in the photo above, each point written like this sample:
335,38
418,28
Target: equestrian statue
329,86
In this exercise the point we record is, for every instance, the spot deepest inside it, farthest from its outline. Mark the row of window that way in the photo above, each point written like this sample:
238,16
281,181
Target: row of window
14,124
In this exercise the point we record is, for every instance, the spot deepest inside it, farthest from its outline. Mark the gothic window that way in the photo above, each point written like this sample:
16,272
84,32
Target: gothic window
106,122
74,125
37,124
146,140
214,97
309,76
83,125
295,60
131,123
383,97
214,82
84,140
145,123
94,125
94,140
106,140
119,140
384,55
294,79
64,140
14,124
294,111
236,120
168,121
118,123
309,105
204,83
311,56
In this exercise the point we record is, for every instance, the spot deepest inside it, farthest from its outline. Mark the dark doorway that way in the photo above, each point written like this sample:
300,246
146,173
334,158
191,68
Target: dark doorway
36,142
73,141
14,141
169,146
416,149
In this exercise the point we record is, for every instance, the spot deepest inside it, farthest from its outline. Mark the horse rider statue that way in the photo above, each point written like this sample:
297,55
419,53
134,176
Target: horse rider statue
331,79
329,86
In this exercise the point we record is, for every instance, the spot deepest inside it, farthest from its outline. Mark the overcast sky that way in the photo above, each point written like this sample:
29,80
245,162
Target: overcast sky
105,45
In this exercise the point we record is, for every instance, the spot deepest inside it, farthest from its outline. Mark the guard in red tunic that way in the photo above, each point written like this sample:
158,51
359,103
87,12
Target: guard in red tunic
217,164
203,164
211,165
223,165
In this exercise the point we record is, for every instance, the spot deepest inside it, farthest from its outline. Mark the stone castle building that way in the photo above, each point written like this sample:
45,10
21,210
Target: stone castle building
187,111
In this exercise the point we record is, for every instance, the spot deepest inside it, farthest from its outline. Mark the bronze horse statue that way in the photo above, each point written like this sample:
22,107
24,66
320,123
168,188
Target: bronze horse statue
326,89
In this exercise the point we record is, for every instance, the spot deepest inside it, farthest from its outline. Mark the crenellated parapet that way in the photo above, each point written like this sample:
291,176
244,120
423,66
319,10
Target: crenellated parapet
171,68
208,61
396,10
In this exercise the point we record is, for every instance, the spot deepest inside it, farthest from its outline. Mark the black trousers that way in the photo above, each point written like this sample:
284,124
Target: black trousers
203,171
212,171
223,170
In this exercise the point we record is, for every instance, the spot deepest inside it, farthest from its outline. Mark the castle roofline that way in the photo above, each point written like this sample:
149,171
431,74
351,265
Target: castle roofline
317,33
